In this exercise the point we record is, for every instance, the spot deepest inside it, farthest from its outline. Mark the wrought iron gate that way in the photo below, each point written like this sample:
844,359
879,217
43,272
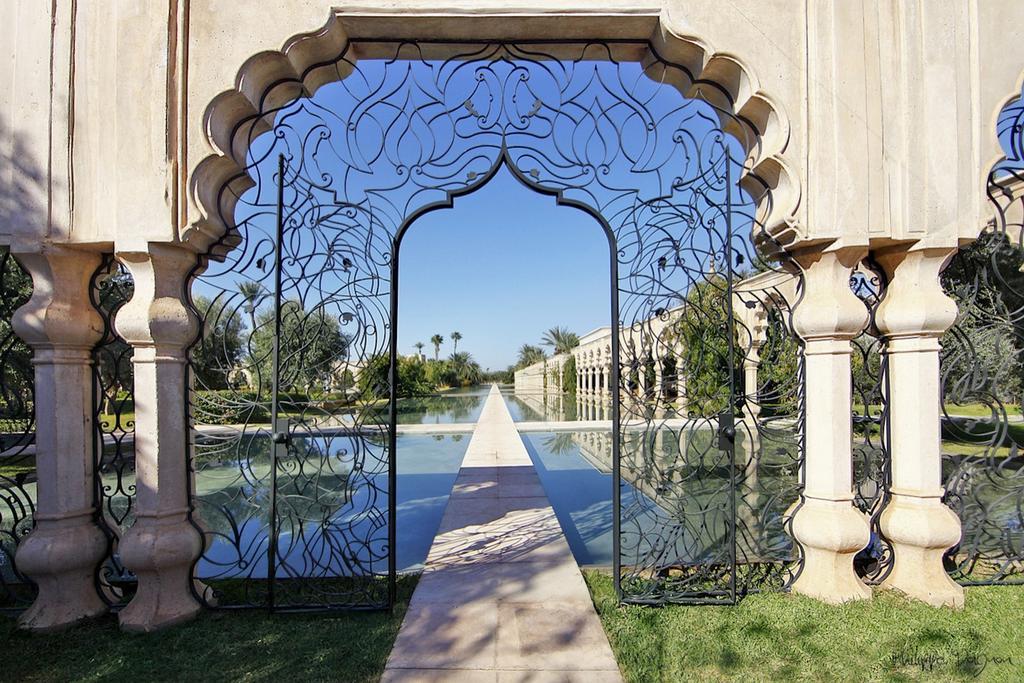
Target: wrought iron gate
302,294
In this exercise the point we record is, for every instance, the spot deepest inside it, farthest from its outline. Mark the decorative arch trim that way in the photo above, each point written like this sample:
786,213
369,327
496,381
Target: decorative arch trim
1004,175
269,80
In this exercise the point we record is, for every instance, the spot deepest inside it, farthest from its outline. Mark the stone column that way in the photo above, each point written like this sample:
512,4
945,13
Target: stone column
912,317
828,527
659,389
162,544
66,546
751,363
579,376
680,382
642,377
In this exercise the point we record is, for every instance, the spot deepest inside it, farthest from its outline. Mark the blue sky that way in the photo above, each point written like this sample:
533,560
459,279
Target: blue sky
502,266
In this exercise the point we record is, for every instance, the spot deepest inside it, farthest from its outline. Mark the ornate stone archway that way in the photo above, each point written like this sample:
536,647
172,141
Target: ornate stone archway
140,112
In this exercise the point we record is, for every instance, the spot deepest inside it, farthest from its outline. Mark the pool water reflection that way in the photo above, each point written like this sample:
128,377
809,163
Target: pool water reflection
235,512
679,504
549,407
452,407
579,491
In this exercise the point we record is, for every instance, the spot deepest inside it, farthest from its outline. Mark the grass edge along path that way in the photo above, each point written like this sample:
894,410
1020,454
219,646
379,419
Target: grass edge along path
783,637
243,645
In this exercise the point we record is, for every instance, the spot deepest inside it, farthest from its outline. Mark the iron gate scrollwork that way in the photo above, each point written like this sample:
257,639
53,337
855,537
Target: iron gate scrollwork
17,435
871,453
294,461
981,369
114,418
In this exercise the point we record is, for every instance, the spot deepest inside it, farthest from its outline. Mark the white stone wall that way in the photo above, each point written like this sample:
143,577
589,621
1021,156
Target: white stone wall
889,134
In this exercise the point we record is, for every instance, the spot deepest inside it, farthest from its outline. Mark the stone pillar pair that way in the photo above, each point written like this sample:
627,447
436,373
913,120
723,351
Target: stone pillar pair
830,529
64,550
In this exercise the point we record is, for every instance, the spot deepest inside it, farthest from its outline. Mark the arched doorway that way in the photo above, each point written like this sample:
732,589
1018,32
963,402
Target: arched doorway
302,295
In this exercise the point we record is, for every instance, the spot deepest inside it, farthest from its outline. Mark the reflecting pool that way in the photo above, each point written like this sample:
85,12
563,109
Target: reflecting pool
234,507
451,407
554,407
580,492
680,503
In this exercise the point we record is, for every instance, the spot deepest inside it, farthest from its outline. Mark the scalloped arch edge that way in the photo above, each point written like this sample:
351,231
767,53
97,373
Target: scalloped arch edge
994,213
269,80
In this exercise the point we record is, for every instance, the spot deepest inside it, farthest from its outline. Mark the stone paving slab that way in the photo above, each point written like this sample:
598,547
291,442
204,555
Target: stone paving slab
501,598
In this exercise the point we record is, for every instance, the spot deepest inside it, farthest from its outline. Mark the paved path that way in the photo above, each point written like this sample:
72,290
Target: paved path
501,598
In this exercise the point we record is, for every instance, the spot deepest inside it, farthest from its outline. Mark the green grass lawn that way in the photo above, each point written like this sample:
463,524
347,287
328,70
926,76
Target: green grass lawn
218,646
781,637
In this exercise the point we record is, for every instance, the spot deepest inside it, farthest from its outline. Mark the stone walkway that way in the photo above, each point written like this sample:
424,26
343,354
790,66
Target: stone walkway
501,598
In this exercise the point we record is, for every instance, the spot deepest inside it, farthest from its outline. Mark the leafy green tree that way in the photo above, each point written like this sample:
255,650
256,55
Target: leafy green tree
569,376
455,337
16,409
702,330
560,339
436,373
779,370
311,345
217,355
374,381
419,348
114,358
437,340
983,354
506,376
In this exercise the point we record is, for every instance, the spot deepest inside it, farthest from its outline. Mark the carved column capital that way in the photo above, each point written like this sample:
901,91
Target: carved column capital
829,311
914,305
59,316
157,319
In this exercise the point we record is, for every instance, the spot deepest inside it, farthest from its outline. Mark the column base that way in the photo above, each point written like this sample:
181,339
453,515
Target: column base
62,556
920,531
830,533
161,554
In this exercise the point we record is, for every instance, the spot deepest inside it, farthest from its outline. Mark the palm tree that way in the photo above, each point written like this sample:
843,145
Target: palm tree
419,349
560,340
465,371
251,293
437,340
528,355
455,337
